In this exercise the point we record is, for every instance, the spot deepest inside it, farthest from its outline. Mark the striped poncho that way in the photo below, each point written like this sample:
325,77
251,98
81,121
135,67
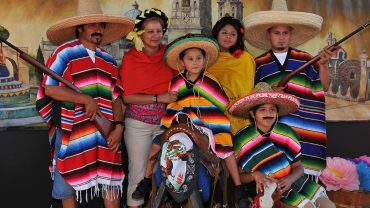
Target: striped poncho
272,154
205,101
84,160
309,120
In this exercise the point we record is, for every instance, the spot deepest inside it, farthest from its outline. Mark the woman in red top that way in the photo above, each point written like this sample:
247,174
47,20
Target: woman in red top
145,78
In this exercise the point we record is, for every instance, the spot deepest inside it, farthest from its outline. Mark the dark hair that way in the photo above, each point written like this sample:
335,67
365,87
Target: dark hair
255,108
77,33
183,53
148,14
227,20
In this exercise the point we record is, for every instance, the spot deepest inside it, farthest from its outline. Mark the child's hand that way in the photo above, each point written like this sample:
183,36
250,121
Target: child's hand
168,97
260,180
284,184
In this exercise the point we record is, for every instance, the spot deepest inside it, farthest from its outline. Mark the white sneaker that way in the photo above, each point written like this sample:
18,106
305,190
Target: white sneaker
266,200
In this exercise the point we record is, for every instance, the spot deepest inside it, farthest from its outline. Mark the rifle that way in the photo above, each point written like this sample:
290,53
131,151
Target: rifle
317,57
102,124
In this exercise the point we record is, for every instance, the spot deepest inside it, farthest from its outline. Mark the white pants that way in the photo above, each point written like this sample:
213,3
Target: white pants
138,137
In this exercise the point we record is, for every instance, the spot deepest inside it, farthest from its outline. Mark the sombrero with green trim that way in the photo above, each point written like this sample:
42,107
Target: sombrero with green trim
263,94
208,44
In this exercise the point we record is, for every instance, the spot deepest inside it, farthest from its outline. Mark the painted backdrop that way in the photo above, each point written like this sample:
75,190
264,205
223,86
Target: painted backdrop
27,21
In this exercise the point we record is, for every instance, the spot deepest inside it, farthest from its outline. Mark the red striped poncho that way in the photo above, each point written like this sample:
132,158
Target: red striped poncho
84,160
309,120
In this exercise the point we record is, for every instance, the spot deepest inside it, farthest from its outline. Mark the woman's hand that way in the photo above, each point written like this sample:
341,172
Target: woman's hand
168,97
115,137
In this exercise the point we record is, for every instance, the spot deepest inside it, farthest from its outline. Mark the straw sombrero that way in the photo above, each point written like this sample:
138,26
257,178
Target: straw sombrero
263,94
305,25
89,11
173,50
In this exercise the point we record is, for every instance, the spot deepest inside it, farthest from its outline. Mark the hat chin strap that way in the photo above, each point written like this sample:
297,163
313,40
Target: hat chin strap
195,93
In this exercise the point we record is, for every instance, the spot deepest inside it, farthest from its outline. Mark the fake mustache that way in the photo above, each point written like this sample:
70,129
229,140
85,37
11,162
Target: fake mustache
268,117
96,35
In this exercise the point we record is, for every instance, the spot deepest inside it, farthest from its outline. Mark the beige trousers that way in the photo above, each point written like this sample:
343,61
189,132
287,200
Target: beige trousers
138,138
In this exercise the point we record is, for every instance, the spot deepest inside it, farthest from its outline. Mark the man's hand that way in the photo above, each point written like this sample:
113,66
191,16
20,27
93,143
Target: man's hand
115,137
91,108
325,54
275,88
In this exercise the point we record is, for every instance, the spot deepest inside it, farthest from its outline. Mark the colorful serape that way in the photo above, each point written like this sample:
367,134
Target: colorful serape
272,154
205,102
309,120
84,160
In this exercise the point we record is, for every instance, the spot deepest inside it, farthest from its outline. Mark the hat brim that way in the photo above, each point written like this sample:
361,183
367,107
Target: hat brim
172,52
116,28
286,103
305,26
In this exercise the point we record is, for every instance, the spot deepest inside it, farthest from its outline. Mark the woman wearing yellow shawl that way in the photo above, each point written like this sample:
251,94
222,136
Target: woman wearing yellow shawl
234,68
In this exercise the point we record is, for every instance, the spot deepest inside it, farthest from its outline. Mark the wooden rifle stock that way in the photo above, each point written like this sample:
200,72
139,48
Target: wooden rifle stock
104,125
317,57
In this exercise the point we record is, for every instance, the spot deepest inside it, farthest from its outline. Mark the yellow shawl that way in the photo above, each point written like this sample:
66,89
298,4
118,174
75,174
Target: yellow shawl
236,76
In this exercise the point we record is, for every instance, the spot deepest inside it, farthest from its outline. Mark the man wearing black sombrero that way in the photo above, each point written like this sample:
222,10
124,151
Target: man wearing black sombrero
278,31
83,161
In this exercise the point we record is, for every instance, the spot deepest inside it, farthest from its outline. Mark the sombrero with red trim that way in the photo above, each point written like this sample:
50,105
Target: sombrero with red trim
263,94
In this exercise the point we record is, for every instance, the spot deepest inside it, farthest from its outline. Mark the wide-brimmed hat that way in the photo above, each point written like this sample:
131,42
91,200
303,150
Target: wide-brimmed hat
89,11
263,94
305,25
148,13
139,21
208,44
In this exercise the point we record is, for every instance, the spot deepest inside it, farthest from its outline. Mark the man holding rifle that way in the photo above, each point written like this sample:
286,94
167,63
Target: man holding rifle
278,31
83,159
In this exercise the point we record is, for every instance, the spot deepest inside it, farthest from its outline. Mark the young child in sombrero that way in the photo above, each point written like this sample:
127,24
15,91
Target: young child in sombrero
200,96
269,151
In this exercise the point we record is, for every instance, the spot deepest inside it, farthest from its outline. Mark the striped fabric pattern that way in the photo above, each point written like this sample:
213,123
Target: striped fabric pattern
84,159
272,154
205,102
302,191
309,120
